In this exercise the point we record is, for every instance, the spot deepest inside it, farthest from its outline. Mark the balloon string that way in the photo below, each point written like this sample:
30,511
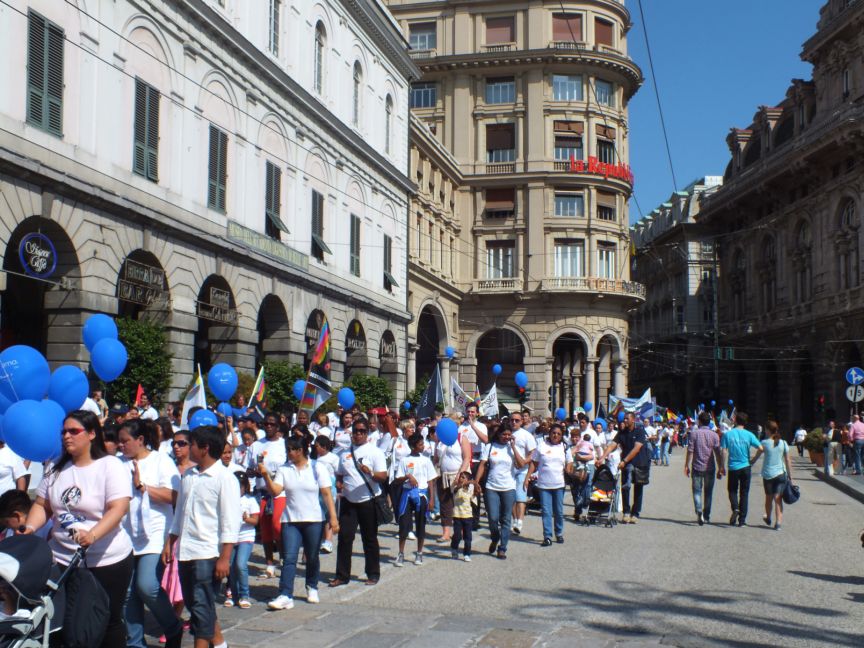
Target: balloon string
9,380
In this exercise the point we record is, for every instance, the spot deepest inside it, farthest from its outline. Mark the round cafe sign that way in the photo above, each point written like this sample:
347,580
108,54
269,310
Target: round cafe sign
38,256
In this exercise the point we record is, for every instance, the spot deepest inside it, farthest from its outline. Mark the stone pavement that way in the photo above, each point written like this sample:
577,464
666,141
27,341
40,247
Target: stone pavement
666,581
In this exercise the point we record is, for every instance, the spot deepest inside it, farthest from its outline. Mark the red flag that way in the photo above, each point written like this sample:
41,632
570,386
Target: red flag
138,395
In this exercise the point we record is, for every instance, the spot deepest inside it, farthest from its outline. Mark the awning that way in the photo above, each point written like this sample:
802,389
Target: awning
500,199
390,278
320,243
563,128
277,222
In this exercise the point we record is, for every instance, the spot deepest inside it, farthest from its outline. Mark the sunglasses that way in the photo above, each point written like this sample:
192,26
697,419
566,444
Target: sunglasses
72,431
180,444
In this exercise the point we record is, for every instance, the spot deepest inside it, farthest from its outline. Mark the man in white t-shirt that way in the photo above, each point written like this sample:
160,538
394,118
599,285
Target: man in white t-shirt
477,435
525,444
362,470
148,412
13,473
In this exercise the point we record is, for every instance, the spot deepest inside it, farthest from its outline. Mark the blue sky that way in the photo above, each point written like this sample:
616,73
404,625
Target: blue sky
716,62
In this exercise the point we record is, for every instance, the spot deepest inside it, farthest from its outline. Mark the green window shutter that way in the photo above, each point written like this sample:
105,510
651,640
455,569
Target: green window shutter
217,170
36,70
54,79
139,156
355,245
152,134
223,170
44,74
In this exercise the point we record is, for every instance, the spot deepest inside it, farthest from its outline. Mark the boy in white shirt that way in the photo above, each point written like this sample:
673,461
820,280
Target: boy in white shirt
414,474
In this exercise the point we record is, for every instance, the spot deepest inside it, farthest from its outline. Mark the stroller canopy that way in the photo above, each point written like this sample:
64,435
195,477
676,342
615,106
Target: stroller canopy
25,563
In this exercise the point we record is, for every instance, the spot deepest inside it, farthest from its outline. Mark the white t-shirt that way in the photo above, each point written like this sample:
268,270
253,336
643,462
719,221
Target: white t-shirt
525,444
399,450
420,466
331,462
275,455
149,414
166,448
353,485
245,456
551,461
341,440
78,498
800,435
473,439
11,468
249,506
302,488
450,457
89,405
147,522
500,466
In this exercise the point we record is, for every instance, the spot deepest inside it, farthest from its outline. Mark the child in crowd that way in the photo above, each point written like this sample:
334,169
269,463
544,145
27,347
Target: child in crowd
14,507
413,474
585,448
463,495
238,578
324,454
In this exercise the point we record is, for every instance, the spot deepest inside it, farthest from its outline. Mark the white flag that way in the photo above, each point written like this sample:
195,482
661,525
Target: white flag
489,404
195,398
461,400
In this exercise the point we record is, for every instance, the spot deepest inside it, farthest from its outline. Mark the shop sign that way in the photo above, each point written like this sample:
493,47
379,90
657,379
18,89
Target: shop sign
219,308
596,167
355,340
38,255
313,329
141,283
388,348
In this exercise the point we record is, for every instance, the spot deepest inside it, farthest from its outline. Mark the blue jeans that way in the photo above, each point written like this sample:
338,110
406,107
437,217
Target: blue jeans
499,508
293,535
702,480
238,577
581,491
552,504
856,455
199,595
144,588
664,452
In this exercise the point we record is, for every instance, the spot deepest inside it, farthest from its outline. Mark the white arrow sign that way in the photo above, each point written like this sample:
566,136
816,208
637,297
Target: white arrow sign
855,393
855,376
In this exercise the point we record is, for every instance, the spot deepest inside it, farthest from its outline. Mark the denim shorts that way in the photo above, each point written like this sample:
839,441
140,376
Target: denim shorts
199,595
775,485
521,493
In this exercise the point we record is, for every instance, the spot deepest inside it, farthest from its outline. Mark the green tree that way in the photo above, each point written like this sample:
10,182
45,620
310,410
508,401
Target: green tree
280,377
416,395
149,361
370,391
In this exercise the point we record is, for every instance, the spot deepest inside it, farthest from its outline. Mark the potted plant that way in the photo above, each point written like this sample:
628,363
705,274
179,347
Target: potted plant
814,443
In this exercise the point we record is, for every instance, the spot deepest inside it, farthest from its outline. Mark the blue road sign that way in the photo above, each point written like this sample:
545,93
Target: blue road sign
855,376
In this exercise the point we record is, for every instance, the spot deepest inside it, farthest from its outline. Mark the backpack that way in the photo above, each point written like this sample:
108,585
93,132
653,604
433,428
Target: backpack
86,616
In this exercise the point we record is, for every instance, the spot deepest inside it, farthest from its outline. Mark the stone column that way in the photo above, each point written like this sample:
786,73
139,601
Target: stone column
549,386
444,367
66,311
180,329
234,346
412,365
590,368
620,385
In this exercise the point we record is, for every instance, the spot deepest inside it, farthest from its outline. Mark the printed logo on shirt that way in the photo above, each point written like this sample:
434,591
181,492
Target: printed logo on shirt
70,497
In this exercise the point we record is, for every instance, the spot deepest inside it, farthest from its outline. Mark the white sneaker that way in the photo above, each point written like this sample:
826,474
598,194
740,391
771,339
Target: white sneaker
400,561
312,595
269,572
281,602
411,535
466,558
326,547
418,558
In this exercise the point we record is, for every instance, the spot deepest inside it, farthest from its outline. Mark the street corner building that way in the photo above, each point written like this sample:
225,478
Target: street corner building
519,244
236,171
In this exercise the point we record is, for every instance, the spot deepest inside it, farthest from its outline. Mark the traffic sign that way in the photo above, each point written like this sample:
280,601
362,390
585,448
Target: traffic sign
855,376
855,393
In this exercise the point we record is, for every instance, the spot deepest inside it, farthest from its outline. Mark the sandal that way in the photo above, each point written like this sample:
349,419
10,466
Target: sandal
371,581
336,582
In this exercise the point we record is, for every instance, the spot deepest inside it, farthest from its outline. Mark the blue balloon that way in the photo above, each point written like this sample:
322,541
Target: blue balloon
299,388
587,405
5,403
109,359
601,423
68,387
731,402
406,405
96,328
713,403
32,429
202,417
24,374
346,398
447,431
496,369
521,379
621,417
225,409
450,351
560,414
2,439
222,381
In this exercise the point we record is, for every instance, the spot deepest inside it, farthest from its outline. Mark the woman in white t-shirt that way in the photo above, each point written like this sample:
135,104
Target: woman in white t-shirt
501,460
325,456
303,481
412,477
155,483
452,460
238,578
85,494
550,461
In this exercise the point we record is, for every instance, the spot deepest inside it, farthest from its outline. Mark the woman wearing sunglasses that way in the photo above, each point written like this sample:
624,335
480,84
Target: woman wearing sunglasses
86,493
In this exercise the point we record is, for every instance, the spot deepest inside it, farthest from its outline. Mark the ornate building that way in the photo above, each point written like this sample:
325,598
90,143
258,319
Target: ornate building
234,170
531,101
788,220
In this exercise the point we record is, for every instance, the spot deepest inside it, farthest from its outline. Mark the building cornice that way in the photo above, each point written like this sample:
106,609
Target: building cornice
482,6
384,31
850,17
421,137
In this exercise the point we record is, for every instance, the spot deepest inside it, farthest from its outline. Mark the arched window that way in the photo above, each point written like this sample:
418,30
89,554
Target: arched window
802,263
358,85
388,118
847,250
320,45
848,217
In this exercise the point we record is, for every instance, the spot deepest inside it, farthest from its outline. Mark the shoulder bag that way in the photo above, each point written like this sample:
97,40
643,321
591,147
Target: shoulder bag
791,493
383,512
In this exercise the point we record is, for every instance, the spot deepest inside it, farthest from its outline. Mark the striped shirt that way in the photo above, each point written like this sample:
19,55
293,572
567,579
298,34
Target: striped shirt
703,441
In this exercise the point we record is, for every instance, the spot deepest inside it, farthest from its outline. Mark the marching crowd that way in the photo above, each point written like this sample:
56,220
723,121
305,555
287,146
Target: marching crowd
169,516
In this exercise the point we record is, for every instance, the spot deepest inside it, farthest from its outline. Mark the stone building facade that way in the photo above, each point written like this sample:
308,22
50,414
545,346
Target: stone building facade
234,170
788,221
672,333
531,101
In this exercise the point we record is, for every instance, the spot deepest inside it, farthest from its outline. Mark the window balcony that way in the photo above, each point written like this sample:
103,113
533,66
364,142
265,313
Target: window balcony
499,285
423,54
501,167
566,45
499,47
595,285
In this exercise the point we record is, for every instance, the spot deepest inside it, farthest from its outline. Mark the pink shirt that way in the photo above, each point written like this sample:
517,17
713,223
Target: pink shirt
857,431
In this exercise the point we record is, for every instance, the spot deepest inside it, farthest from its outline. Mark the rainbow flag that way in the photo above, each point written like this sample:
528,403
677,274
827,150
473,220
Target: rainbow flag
670,414
318,386
256,400
477,397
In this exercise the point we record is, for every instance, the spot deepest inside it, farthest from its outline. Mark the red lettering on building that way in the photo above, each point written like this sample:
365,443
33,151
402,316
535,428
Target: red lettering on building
596,167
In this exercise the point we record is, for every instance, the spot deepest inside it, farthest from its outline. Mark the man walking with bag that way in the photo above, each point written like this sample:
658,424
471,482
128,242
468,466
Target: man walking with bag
736,444
361,471
703,449
635,465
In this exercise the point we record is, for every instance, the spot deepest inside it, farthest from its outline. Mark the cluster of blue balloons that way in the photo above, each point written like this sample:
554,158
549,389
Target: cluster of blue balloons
108,356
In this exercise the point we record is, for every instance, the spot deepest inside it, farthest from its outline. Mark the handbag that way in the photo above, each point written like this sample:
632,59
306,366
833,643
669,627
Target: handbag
791,493
641,475
383,512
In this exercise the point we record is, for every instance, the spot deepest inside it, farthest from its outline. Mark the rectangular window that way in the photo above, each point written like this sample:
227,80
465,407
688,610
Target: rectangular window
145,155
605,151
500,143
44,74
274,27
499,259
319,247
569,258
604,32
355,245
422,36
567,87
567,148
500,90
500,203
217,171
606,206
273,225
569,205
424,95
847,85
500,30
606,260
389,279
604,92
566,28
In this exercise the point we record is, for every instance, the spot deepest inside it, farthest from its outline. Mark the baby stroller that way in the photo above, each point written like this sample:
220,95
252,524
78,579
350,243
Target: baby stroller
30,575
604,496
